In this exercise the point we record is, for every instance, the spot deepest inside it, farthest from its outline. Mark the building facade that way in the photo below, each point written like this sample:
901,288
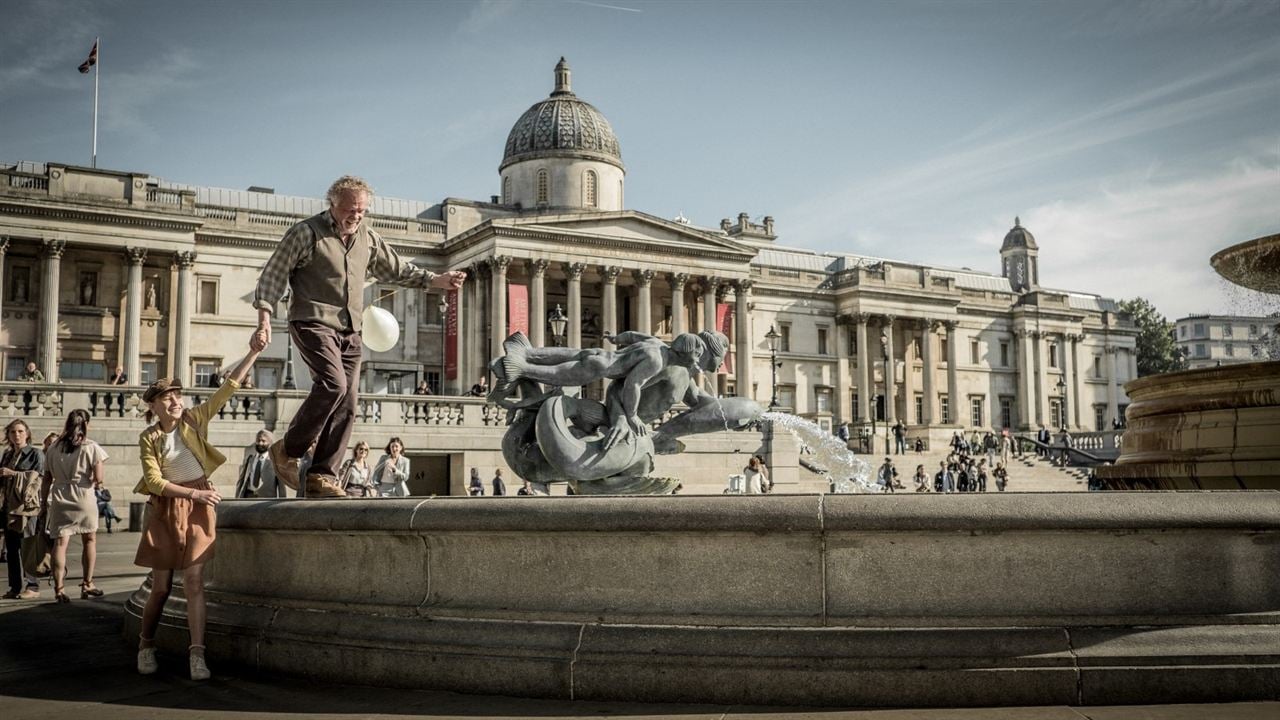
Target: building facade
104,268
1213,340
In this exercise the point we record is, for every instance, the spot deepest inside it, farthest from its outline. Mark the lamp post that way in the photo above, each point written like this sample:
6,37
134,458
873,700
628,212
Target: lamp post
771,338
559,323
1062,390
444,325
884,358
288,361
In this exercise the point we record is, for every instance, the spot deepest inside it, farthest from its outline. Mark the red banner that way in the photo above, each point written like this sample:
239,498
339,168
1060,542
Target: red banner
517,310
451,336
724,323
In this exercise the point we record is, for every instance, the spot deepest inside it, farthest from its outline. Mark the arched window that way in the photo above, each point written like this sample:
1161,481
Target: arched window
591,196
506,190
544,187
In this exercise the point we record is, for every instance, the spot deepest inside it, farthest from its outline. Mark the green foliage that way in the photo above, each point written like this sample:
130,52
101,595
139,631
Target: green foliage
1157,351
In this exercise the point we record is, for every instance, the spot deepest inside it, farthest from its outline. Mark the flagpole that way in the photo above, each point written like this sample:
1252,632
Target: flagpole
96,70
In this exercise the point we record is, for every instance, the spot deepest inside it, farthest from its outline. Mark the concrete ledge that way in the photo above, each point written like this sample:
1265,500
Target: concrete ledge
839,600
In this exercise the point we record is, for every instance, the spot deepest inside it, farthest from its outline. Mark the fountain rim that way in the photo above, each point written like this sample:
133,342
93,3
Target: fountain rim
1238,264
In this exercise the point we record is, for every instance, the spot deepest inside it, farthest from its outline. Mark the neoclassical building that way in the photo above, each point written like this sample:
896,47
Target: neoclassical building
104,268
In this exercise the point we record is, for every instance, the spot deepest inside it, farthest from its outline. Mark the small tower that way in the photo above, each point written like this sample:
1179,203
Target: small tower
1018,259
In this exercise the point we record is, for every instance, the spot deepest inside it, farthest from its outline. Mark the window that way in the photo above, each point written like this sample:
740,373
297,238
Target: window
945,404
666,319
208,296
822,341
506,190
1199,330
946,356
385,298
1006,412
544,187
1099,417
266,377
433,381
591,195
853,343
1200,350
1097,366
919,405
857,413
430,309
1055,413
82,370
1053,354
975,411
148,370
88,288
1230,350
822,396
1182,331
1255,351
1004,354
787,396
20,284
1253,331
784,342
1226,330
13,367
975,354
204,370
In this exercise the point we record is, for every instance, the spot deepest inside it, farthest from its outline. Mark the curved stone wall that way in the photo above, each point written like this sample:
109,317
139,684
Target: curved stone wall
825,600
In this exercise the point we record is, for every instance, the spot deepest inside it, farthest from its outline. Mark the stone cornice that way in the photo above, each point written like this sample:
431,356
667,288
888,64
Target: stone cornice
578,239
100,216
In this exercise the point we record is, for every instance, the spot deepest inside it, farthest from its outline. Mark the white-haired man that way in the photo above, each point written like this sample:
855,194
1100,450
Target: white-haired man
325,261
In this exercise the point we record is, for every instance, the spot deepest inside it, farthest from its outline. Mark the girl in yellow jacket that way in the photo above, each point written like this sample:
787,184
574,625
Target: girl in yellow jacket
177,461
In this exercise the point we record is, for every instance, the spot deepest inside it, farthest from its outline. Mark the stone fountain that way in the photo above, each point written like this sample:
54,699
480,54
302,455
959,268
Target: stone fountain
1212,428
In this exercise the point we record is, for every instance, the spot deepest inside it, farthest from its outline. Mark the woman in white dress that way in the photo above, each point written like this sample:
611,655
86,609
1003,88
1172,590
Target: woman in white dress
73,470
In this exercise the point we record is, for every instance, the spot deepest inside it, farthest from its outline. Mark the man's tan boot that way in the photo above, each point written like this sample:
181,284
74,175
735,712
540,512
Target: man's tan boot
285,466
323,486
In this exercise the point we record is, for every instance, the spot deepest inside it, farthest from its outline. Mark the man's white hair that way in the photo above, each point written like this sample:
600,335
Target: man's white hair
347,184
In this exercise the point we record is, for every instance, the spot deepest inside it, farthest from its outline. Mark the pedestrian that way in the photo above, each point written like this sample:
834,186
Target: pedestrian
215,378
1042,440
887,475
325,260
476,488
1064,443
899,438
980,475
257,478
106,513
356,480
526,489
73,468
480,389
21,469
989,445
919,446
842,432
945,480
391,474
1001,475
922,479
499,487
422,389
1006,445
764,471
48,441
755,477
31,374
119,377
181,527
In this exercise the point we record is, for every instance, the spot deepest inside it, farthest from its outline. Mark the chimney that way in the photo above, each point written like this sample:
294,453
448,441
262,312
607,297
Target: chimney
493,199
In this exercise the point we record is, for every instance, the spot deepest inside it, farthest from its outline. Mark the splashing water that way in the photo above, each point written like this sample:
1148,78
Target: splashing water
828,454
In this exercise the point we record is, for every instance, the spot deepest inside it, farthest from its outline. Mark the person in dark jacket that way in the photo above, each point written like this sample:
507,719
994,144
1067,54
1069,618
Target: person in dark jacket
499,487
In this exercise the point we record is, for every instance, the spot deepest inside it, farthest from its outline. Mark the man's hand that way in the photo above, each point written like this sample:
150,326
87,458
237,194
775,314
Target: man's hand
618,433
260,339
638,426
451,280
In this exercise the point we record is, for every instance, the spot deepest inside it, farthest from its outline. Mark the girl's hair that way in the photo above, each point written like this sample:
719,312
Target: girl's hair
393,441
75,431
150,417
753,462
362,445
11,425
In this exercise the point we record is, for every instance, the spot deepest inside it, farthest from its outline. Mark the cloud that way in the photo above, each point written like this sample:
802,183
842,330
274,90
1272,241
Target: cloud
487,13
1153,238
42,43
131,93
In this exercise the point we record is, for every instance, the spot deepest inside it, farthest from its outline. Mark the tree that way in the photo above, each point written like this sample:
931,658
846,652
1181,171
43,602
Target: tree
1157,351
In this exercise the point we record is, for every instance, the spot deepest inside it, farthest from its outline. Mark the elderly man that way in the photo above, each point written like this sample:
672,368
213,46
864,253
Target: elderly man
326,260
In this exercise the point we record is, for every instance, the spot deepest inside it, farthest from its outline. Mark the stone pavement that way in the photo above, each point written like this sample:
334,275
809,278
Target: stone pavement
59,662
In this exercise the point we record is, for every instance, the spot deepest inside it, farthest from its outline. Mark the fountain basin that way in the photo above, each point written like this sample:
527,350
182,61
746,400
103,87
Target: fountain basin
923,600
1254,264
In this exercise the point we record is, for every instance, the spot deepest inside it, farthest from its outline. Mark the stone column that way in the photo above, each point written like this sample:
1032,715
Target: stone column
644,299
471,325
52,250
908,372
1113,406
890,381
574,311
864,370
497,304
844,404
1042,378
742,336
1077,380
609,302
930,393
456,387
953,377
1024,384
709,287
133,315
182,324
4,248
538,302
678,282
1133,362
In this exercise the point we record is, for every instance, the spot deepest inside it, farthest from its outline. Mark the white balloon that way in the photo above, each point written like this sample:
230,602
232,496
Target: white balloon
381,331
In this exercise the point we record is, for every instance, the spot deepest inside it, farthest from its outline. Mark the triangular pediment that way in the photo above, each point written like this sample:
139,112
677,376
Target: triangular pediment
628,227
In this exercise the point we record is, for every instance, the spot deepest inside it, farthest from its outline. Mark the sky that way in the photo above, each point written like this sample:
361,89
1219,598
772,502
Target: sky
1134,139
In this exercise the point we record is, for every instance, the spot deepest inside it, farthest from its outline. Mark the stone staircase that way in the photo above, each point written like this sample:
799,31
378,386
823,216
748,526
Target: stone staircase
1027,473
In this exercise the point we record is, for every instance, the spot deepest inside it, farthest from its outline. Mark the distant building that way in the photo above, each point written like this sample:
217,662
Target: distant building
103,267
1212,340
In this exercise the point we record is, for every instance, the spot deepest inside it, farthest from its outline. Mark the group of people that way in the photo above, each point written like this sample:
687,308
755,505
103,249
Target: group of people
475,488
1056,451
357,476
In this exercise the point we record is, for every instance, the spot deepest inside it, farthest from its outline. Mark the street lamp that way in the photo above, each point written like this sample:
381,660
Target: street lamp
884,357
444,324
1062,390
288,362
771,338
559,324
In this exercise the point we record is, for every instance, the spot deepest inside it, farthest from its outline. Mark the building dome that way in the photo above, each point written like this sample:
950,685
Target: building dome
562,126
1018,237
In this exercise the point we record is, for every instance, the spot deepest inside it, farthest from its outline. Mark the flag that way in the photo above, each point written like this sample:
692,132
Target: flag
93,59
